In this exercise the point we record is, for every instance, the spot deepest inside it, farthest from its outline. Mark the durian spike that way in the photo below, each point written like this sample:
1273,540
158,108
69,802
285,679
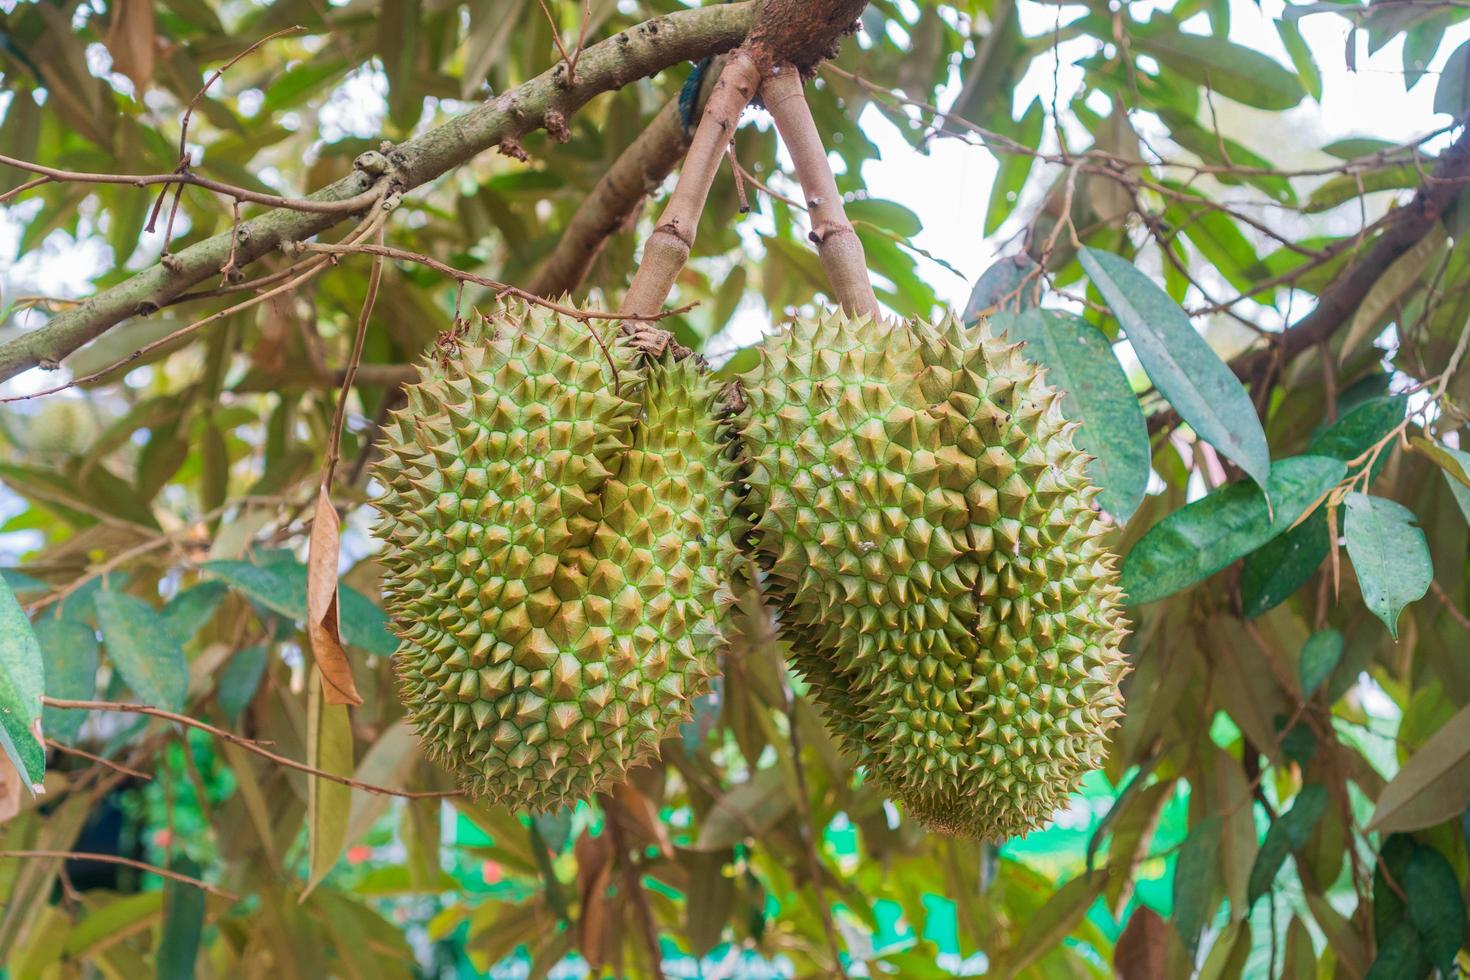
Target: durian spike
667,249
837,243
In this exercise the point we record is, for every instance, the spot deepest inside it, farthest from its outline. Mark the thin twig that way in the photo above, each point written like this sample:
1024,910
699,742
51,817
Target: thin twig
339,416
1449,604
128,862
65,749
56,175
244,743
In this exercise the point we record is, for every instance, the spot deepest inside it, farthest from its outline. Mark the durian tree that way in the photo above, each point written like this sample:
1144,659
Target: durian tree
495,489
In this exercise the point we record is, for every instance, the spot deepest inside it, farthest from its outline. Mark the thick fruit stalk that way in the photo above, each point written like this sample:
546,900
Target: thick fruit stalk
551,541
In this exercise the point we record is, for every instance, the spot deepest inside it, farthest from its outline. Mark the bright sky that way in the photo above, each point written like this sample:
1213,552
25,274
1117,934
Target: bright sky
949,186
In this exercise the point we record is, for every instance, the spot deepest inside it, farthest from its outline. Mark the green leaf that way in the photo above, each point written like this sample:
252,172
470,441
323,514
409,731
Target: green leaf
750,808
1272,572
1400,277
1233,70
1389,554
1181,364
1456,466
69,651
1399,956
1436,906
1080,362
1300,54
1320,656
1052,923
1196,874
22,682
188,612
281,587
240,679
1012,169
1452,95
183,923
1433,785
329,803
887,215
1350,187
1006,285
1198,540
1284,564
139,647
1289,833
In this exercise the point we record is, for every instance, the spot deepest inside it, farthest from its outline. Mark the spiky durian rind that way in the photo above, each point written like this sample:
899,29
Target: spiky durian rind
924,515
552,521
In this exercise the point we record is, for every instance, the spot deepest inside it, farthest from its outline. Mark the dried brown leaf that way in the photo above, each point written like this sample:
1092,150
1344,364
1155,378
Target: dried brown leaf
322,623
131,41
594,873
1142,950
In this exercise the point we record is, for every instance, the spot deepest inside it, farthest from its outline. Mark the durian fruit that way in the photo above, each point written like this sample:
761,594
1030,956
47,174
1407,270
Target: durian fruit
552,524
925,517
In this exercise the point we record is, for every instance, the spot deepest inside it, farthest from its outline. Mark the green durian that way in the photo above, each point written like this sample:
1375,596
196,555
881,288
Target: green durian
553,521
923,515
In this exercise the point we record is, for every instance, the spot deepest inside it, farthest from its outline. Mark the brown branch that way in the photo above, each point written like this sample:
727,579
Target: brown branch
65,749
501,288
53,175
307,270
128,862
1337,302
246,744
642,50
1449,604
667,249
838,246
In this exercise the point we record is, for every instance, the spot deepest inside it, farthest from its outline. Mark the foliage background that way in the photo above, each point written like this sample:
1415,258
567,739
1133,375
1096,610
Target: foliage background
1287,795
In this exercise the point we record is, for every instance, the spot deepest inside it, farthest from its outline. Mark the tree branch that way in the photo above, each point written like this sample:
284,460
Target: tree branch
1337,303
667,249
639,51
837,242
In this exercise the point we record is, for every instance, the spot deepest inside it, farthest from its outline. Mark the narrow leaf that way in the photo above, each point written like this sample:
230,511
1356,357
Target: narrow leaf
1081,363
69,650
1289,833
183,924
328,803
1390,287
322,626
1436,907
139,647
1184,368
1389,554
1196,874
1456,466
1008,285
22,682
1320,656
1433,785
240,679
1452,95
280,586
1198,540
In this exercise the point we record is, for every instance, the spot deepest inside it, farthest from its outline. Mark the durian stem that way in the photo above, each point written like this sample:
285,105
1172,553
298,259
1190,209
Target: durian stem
667,249
837,243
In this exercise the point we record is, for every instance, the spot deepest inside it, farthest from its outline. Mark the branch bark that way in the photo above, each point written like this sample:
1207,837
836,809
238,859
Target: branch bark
838,245
639,51
667,249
